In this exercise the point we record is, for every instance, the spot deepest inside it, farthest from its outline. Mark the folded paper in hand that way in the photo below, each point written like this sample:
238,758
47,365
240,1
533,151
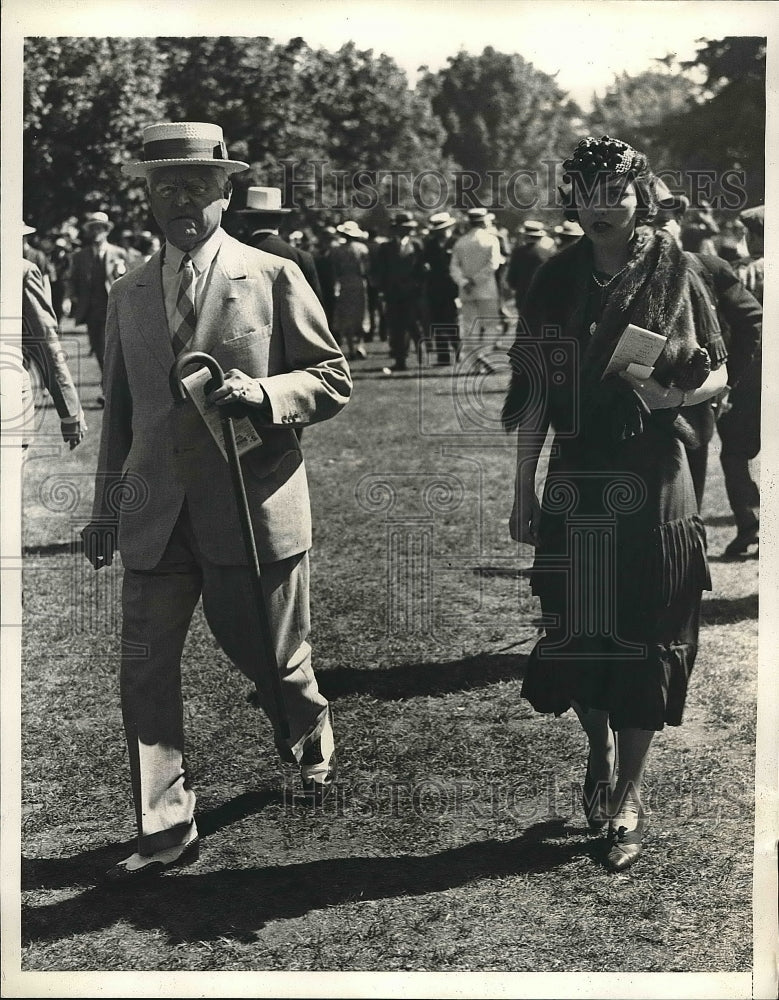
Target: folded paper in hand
246,436
637,348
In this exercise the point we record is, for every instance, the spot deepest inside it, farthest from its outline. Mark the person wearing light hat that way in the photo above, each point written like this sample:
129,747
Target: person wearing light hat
476,258
350,271
528,255
179,535
264,214
440,288
93,270
568,233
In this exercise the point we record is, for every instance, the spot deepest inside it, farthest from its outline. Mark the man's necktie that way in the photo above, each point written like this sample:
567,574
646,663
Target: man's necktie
184,316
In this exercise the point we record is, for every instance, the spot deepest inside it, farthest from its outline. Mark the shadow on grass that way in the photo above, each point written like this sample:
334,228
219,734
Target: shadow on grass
54,548
414,679
721,611
236,903
752,555
86,867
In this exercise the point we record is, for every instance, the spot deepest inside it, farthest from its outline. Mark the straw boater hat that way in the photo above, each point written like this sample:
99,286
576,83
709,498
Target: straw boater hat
171,144
96,220
477,214
441,220
352,230
404,220
533,228
569,230
263,199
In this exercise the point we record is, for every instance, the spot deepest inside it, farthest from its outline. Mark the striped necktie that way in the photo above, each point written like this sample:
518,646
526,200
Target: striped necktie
184,315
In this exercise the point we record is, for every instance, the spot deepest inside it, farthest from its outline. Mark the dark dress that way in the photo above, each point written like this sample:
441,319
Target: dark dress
621,560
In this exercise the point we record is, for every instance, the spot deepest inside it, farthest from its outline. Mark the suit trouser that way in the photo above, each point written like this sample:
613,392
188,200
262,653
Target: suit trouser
96,338
480,320
739,431
157,608
401,310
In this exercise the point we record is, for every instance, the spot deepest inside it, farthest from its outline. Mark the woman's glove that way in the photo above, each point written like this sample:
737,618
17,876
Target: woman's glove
695,371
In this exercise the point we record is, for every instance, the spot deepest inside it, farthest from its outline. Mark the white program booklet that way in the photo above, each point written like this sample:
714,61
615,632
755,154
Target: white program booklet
246,436
638,349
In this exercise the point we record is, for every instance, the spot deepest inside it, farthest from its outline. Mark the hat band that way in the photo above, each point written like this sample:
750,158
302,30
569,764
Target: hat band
184,149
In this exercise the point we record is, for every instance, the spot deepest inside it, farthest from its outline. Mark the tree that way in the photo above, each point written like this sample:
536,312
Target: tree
85,100
501,114
634,108
371,122
725,130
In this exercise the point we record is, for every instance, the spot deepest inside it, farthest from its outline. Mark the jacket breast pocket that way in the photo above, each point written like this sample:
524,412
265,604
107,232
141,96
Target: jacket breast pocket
248,351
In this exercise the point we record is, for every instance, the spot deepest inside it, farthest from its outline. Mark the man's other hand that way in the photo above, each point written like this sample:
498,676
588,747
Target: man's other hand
100,541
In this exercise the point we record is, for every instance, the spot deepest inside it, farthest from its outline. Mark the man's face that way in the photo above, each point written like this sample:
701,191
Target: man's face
95,235
187,202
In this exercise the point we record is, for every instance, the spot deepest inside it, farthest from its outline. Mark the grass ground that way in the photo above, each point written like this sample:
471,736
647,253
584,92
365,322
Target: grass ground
455,840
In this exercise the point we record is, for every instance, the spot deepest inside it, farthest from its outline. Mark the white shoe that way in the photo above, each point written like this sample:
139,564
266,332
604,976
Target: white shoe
140,866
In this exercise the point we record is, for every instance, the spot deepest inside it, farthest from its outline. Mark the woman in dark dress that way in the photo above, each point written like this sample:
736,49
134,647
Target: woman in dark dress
620,558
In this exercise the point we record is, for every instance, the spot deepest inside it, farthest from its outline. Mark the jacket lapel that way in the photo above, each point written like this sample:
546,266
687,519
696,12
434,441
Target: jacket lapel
229,269
149,305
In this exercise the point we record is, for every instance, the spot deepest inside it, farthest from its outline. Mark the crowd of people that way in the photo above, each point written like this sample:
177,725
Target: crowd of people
628,250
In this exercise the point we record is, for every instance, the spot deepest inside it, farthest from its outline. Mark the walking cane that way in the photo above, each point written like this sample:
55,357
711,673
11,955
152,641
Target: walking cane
233,459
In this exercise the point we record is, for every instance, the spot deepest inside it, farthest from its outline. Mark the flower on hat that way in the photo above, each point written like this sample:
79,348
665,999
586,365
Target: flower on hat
604,155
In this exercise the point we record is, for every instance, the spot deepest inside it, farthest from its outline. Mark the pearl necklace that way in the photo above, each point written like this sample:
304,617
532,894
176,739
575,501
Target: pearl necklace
605,284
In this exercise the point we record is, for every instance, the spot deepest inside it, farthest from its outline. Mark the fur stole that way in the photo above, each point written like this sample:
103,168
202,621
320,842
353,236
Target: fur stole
655,291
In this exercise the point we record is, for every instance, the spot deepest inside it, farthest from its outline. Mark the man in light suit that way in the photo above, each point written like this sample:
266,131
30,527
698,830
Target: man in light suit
42,350
93,269
163,487
476,257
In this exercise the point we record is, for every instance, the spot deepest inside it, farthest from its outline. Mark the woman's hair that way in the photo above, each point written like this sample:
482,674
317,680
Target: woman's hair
610,159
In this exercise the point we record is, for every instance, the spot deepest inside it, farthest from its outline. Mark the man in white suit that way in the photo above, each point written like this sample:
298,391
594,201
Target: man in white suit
476,257
163,489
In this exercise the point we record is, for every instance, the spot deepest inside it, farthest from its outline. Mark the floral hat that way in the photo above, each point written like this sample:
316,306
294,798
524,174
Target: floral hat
601,156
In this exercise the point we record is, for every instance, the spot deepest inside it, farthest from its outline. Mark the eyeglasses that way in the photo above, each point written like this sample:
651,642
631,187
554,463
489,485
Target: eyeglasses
193,189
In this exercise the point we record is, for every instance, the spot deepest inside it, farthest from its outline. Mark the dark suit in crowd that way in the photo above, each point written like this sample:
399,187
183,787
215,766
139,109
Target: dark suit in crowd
270,242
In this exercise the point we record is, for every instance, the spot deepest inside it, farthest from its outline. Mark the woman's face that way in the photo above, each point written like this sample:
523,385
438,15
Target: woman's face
608,213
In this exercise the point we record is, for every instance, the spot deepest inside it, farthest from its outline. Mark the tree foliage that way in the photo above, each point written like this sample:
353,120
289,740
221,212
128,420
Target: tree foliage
501,115
294,112
725,130
83,101
634,108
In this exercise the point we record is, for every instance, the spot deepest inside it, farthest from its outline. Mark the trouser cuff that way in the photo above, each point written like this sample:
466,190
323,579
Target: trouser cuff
307,750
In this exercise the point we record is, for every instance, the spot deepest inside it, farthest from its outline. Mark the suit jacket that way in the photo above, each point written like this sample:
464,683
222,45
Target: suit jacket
400,272
41,346
476,257
115,264
261,316
525,260
272,243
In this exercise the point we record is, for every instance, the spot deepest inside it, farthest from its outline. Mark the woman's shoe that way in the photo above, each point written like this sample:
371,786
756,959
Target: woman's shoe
595,800
625,845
